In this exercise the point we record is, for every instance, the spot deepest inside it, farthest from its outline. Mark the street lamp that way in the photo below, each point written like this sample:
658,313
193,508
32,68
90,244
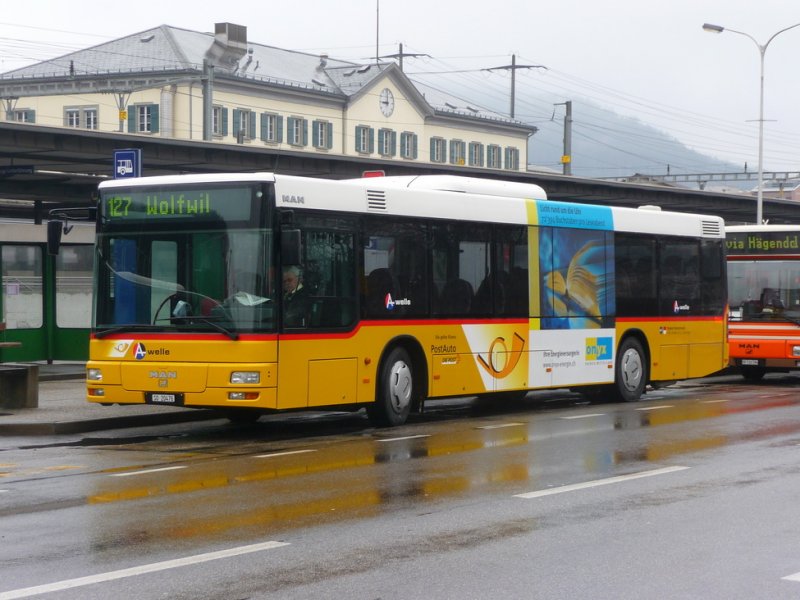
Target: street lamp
762,49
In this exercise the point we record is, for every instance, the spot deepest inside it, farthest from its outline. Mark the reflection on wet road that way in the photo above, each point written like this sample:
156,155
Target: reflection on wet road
304,481
210,485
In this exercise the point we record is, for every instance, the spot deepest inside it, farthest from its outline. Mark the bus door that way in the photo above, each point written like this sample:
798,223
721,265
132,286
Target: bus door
319,361
22,267
46,302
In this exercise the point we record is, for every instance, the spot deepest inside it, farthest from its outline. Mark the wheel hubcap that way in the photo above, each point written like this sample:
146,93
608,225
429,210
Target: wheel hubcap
400,386
631,370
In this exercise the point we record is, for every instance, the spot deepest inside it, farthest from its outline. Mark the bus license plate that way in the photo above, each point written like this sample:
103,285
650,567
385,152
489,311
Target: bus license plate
749,362
165,399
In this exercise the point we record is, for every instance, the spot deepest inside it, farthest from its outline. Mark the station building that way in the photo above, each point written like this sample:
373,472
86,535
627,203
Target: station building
222,87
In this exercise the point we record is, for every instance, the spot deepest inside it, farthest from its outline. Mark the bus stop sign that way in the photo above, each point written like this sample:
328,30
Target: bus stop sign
127,163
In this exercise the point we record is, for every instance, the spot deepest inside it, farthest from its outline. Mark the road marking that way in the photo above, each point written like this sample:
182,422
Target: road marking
287,453
501,426
146,471
714,401
598,482
656,407
583,416
795,577
141,570
400,439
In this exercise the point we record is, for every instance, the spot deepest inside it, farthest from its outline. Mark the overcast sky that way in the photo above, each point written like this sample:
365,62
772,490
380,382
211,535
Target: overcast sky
639,58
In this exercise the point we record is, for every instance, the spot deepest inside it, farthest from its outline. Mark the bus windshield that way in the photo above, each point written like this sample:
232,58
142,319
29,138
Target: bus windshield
190,259
764,290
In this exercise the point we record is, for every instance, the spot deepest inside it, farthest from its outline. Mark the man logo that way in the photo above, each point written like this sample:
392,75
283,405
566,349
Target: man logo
139,352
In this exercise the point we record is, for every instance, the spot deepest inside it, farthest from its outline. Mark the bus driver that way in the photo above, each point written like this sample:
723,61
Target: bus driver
295,297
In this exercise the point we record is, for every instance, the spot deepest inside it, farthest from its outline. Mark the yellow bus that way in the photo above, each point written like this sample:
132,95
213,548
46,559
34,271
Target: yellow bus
411,288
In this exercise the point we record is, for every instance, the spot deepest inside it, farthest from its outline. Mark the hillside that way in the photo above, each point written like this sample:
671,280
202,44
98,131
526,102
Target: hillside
605,144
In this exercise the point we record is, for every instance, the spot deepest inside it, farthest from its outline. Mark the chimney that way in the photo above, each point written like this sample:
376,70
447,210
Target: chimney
228,34
229,46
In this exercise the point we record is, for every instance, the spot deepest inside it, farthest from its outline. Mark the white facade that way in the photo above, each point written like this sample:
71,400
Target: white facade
260,96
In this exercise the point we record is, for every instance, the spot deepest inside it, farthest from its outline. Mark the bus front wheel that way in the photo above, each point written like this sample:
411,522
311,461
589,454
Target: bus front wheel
630,375
395,390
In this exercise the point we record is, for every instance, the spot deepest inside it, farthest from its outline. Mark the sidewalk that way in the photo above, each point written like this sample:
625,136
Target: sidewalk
63,408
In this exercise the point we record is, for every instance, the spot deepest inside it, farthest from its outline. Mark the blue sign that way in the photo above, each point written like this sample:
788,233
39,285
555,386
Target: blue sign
577,216
127,163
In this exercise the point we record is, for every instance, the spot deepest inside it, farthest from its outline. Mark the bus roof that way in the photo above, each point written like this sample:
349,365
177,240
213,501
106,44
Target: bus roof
452,197
761,228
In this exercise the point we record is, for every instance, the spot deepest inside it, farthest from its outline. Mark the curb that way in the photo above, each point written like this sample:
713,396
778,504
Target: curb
67,427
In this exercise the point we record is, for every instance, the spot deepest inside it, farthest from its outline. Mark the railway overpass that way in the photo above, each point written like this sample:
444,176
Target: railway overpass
51,167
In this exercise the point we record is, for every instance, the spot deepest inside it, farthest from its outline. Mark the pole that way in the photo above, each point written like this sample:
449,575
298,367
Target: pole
513,81
762,50
208,101
760,193
377,31
514,66
567,159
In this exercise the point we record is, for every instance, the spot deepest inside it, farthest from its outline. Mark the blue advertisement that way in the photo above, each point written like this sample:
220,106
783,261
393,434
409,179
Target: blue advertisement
577,278
576,216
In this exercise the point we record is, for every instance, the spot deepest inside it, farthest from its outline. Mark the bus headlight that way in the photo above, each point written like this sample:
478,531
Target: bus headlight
795,350
247,377
94,375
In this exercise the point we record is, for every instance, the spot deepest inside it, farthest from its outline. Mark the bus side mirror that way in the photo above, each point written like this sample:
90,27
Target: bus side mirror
54,229
290,247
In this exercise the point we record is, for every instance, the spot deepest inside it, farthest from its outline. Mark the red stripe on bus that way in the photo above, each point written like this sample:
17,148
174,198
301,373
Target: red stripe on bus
684,319
174,337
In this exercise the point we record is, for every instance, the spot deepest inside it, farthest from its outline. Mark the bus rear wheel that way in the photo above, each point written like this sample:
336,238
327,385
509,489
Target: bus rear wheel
753,374
395,392
630,374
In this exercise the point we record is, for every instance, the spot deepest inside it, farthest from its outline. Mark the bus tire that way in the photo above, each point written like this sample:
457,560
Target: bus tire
395,393
630,371
242,416
753,374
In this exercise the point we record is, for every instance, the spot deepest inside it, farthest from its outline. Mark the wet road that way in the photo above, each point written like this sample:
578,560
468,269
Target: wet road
691,493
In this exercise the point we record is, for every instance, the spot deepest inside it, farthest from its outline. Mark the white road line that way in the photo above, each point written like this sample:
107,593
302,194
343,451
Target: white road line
501,426
287,453
795,577
714,401
583,416
146,471
141,570
662,406
400,439
599,482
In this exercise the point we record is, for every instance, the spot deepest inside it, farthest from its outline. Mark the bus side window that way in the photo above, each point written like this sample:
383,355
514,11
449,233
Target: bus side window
380,283
457,297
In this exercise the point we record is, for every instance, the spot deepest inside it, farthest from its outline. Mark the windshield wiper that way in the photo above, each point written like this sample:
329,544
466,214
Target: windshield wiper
101,333
795,320
230,333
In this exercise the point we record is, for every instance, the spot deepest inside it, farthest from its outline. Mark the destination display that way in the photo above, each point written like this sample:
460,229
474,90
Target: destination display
762,242
195,204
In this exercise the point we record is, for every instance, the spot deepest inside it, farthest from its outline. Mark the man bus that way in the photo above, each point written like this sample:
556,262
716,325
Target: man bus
417,288
764,292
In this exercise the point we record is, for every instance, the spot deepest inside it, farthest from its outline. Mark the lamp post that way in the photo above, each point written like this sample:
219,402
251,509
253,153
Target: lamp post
762,49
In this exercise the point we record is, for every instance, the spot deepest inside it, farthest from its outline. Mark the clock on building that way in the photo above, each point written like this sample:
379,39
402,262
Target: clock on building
387,102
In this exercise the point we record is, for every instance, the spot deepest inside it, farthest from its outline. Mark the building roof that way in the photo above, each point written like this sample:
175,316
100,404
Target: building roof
165,49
